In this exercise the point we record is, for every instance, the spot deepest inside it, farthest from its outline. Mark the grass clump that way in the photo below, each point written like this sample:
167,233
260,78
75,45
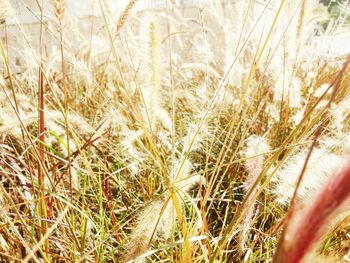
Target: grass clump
194,133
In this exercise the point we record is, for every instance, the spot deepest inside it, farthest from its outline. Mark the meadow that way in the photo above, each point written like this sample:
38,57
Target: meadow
212,131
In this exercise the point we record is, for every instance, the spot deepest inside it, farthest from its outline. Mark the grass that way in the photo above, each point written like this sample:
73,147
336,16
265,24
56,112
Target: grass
176,135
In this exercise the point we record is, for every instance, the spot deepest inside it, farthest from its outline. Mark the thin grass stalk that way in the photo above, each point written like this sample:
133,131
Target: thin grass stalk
107,194
111,39
300,23
59,12
41,141
6,40
12,86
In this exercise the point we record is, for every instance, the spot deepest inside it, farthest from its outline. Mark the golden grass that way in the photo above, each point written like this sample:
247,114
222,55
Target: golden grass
142,144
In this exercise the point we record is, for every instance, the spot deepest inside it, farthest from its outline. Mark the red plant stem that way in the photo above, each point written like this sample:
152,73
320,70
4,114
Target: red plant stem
41,102
41,127
310,226
42,206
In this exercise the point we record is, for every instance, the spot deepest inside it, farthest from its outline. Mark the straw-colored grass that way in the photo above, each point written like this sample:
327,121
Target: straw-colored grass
184,134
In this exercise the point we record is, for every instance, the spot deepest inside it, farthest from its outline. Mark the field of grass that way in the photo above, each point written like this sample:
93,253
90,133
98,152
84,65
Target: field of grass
217,132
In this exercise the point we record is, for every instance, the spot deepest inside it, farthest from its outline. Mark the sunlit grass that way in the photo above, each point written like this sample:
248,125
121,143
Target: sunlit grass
175,135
